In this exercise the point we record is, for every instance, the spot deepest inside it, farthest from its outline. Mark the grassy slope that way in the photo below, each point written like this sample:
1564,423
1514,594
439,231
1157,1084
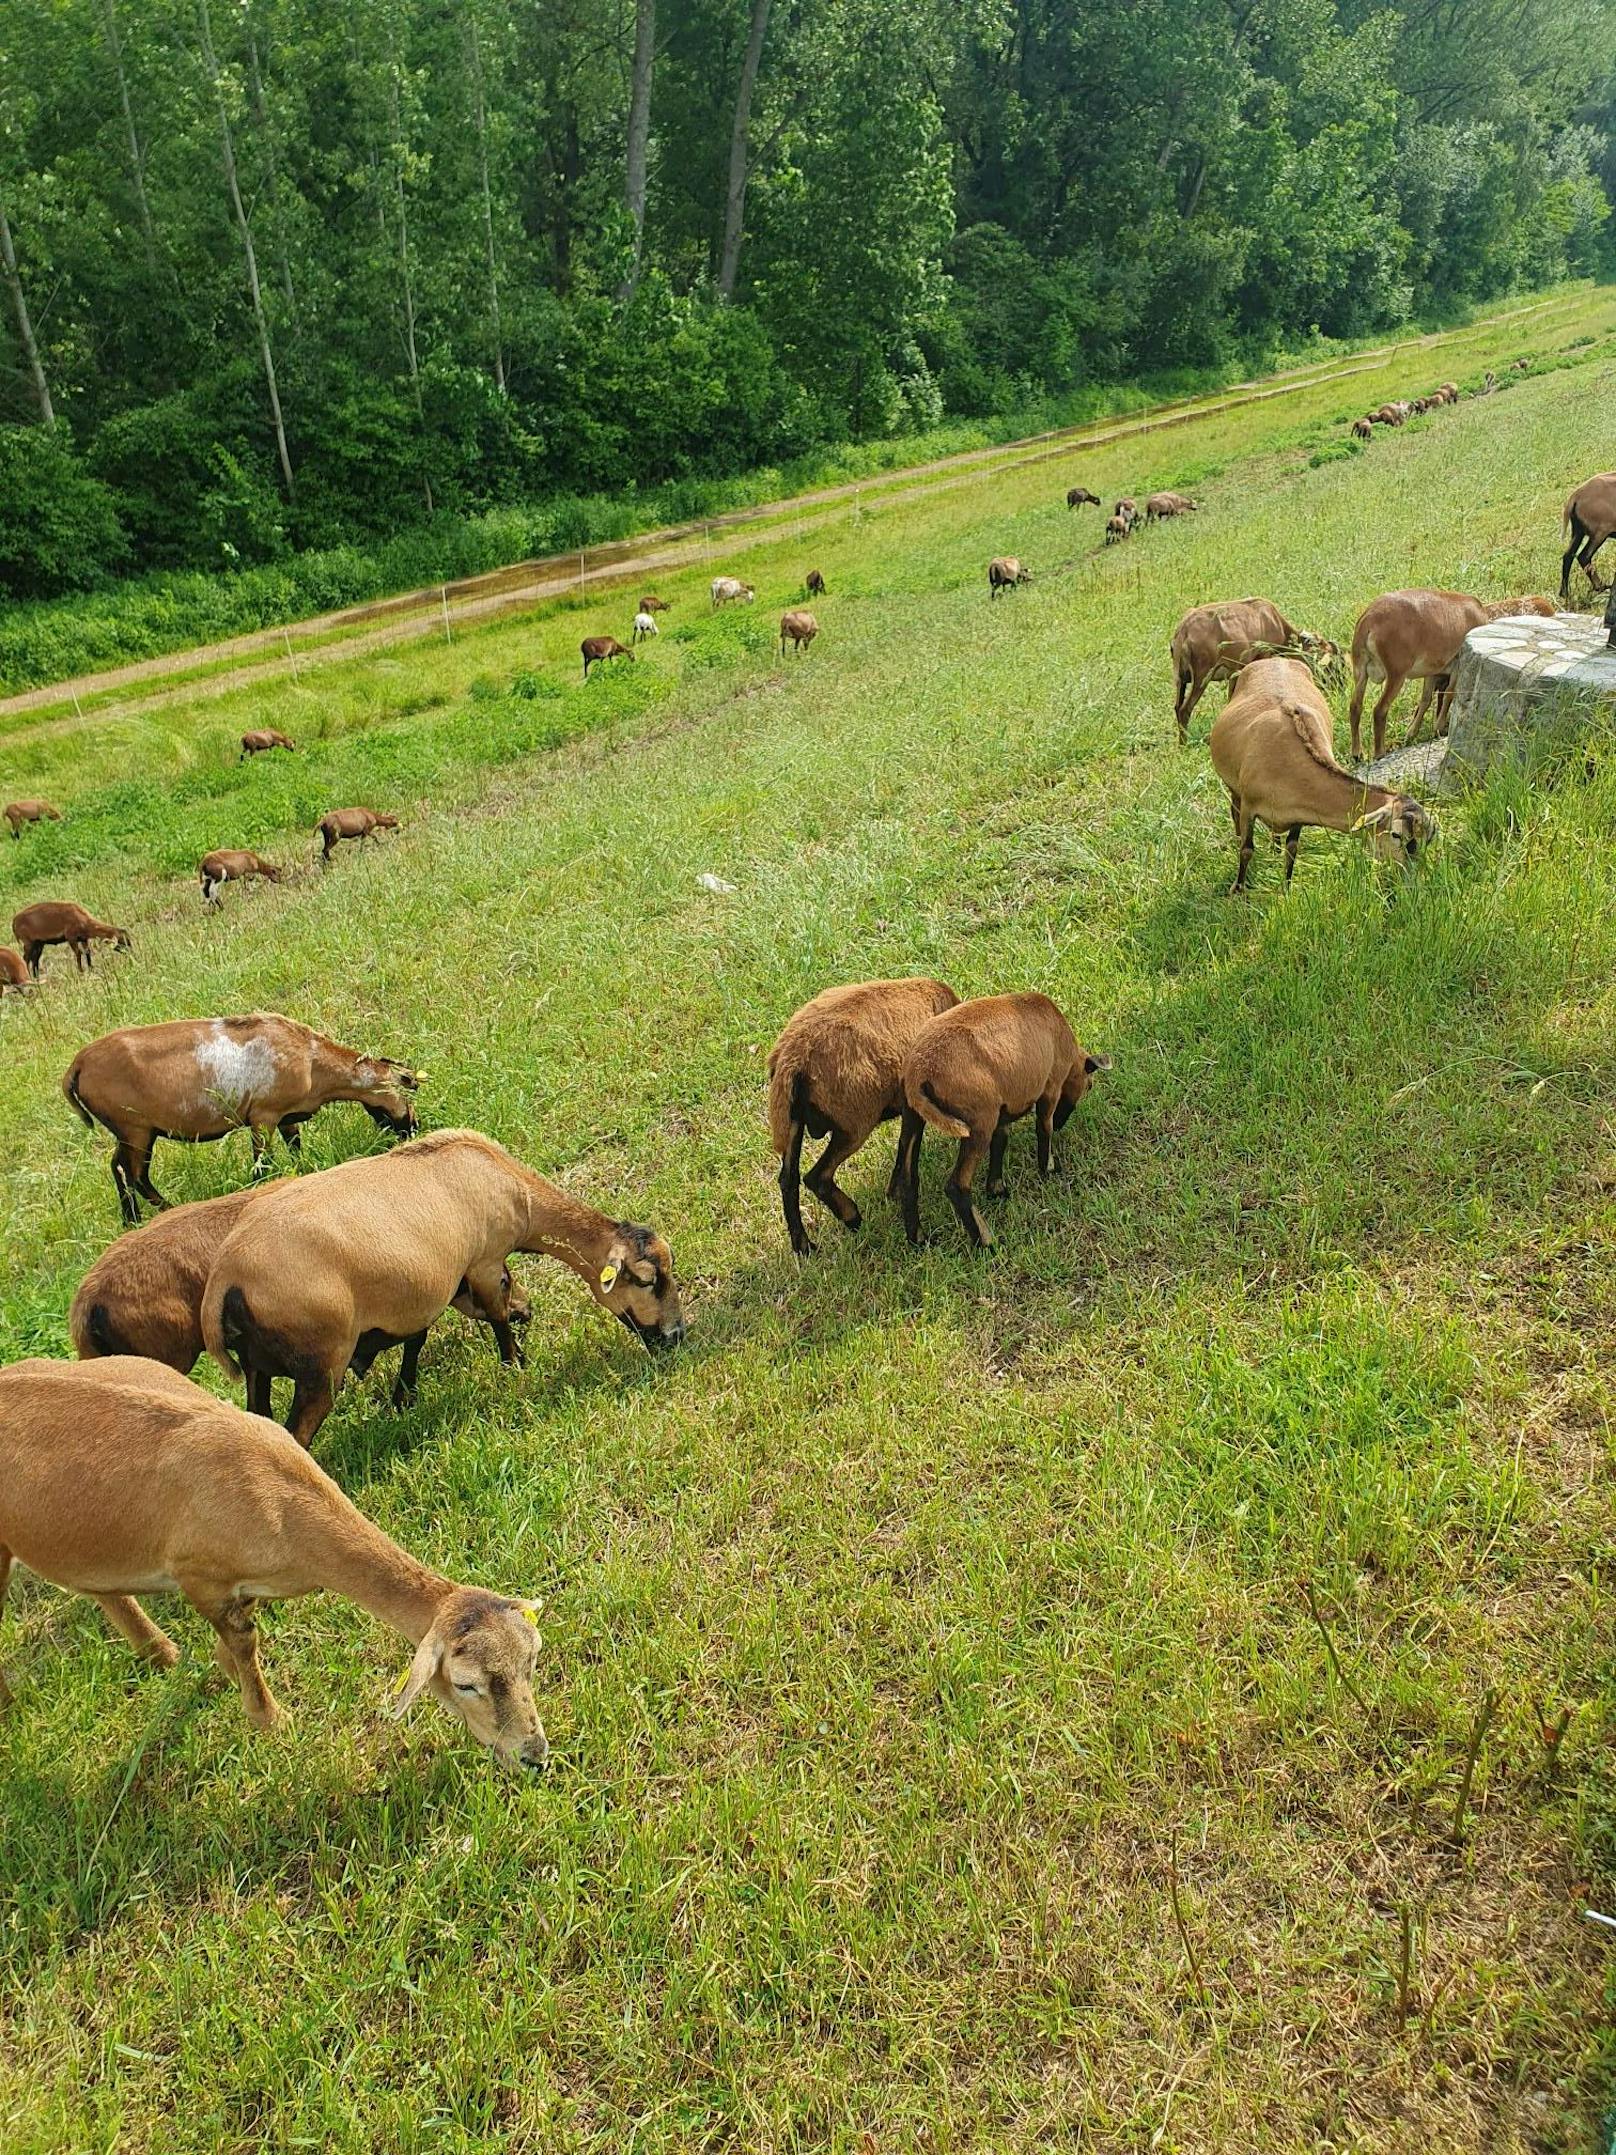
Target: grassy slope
903,1624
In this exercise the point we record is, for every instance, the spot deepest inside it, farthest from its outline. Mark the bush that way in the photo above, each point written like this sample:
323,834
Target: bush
59,528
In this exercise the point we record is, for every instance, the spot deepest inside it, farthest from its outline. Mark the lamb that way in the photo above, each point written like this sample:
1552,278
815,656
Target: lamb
341,823
814,584
729,590
1212,643
1363,429
1077,496
1004,573
382,1246
645,625
1118,528
144,1295
597,650
17,813
197,1079
836,1072
1271,746
1591,516
262,740
974,1071
57,920
1418,633
799,630
120,1478
1169,504
13,973
227,865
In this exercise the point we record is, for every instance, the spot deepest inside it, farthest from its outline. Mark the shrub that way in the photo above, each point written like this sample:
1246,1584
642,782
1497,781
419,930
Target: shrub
59,528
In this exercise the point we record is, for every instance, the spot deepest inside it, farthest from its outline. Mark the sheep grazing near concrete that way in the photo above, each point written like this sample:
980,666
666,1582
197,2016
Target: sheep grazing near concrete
798,629
836,1072
1004,573
56,920
228,865
382,1246
600,650
197,1079
1160,506
974,1071
120,1478
13,973
1271,746
144,1295
20,813
1363,429
1078,497
1212,643
814,584
1590,516
730,591
262,740
1418,635
349,823
1118,528
645,625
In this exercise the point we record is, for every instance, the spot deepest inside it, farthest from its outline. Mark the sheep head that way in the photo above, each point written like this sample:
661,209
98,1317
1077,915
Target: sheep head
478,1659
1398,828
636,1284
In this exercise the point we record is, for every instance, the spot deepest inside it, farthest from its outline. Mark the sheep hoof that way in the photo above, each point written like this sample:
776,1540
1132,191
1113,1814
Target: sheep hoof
1001,1188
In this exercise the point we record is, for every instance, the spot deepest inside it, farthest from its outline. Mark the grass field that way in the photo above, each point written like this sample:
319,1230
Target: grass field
947,1755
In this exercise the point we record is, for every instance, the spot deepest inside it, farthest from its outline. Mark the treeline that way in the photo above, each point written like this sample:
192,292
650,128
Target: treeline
282,274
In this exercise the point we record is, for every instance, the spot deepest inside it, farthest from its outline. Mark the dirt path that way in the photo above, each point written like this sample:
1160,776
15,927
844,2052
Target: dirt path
270,654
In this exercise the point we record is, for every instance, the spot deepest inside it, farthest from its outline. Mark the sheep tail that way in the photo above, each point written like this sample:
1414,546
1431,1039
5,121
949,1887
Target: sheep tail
70,1093
98,1330
231,1333
945,1118
788,1100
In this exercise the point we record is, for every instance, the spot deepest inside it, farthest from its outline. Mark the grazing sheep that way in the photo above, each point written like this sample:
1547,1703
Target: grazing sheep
1127,507
144,1294
651,604
1168,504
1389,415
382,1246
13,973
645,625
1363,429
836,1072
814,584
226,865
1078,496
729,590
1271,746
1004,573
1590,515
120,1478
1418,634
57,920
598,650
197,1079
17,813
1118,528
264,738
799,630
974,1071
1212,643
343,823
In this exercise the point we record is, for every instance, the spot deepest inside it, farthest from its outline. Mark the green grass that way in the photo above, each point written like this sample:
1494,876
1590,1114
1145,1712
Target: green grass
918,1623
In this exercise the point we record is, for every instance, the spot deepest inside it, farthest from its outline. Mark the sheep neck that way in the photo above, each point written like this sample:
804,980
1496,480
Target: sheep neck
558,1226
352,1557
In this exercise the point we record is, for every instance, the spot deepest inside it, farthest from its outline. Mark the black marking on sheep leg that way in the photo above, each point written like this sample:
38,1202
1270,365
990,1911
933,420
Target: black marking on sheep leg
1001,1138
791,1176
260,1393
910,1132
408,1369
820,1178
1293,838
1247,826
1046,1138
958,1187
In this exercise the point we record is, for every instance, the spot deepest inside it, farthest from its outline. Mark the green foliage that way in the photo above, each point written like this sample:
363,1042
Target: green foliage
59,528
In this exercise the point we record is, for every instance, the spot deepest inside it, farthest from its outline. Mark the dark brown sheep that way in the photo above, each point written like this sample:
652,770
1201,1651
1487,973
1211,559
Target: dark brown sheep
1078,496
13,973
597,650
814,584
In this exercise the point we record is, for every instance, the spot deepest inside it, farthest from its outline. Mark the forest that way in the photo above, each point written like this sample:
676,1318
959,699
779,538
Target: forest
293,274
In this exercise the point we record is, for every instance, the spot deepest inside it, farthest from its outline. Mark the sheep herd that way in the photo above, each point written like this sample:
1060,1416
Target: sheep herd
119,1476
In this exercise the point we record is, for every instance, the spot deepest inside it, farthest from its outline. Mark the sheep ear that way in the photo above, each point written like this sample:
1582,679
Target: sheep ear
1092,1063
428,1658
608,1275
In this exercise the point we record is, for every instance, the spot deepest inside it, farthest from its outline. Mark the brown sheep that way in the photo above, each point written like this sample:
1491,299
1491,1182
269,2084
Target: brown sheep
382,1246
17,813
1418,634
1591,517
651,604
57,920
1169,504
814,584
197,1079
13,973
1363,429
1449,392
974,1071
262,740
227,865
344,823
799,630
598,650
1118,528
1079,496
1127,507
1212,643
730,591
1271,746
120,1478
1004,573
836,1072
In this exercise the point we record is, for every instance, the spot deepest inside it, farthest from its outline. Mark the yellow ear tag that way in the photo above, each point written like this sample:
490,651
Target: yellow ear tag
532,1616
608,1278
398,1688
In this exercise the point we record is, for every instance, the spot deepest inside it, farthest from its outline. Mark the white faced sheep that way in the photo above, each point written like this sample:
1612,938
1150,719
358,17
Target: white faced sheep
1418,635
120,1478
836,1072
974,1071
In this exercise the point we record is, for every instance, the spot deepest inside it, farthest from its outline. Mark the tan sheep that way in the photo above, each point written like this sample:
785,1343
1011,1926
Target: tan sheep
57,920
261,740
346,823
1418,635
229,864
1004,573
13,973
798,629
1590,515
599,650
1212,643
19,813
1160,506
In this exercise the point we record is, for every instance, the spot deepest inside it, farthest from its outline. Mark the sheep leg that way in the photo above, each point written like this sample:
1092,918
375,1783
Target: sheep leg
791,1188
1428,688
291,1134
408,1370
1588,552
82,957
821,1178
491,1293
261,1393
125,1614
313,1397
958,1187
1190,692
1246,829
1360,681
1047,1108
906,1171
1444,701
141,1155
231,1616
31,953
1001,1137
1388,696
1293,838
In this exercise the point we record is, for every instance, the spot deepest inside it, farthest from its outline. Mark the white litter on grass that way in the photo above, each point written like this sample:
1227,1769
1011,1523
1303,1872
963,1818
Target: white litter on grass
717,885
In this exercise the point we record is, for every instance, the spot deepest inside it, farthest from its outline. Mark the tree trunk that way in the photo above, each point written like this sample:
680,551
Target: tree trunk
480,112
639,135
25,326
238,210
272,171
406,277
735,197
137,161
